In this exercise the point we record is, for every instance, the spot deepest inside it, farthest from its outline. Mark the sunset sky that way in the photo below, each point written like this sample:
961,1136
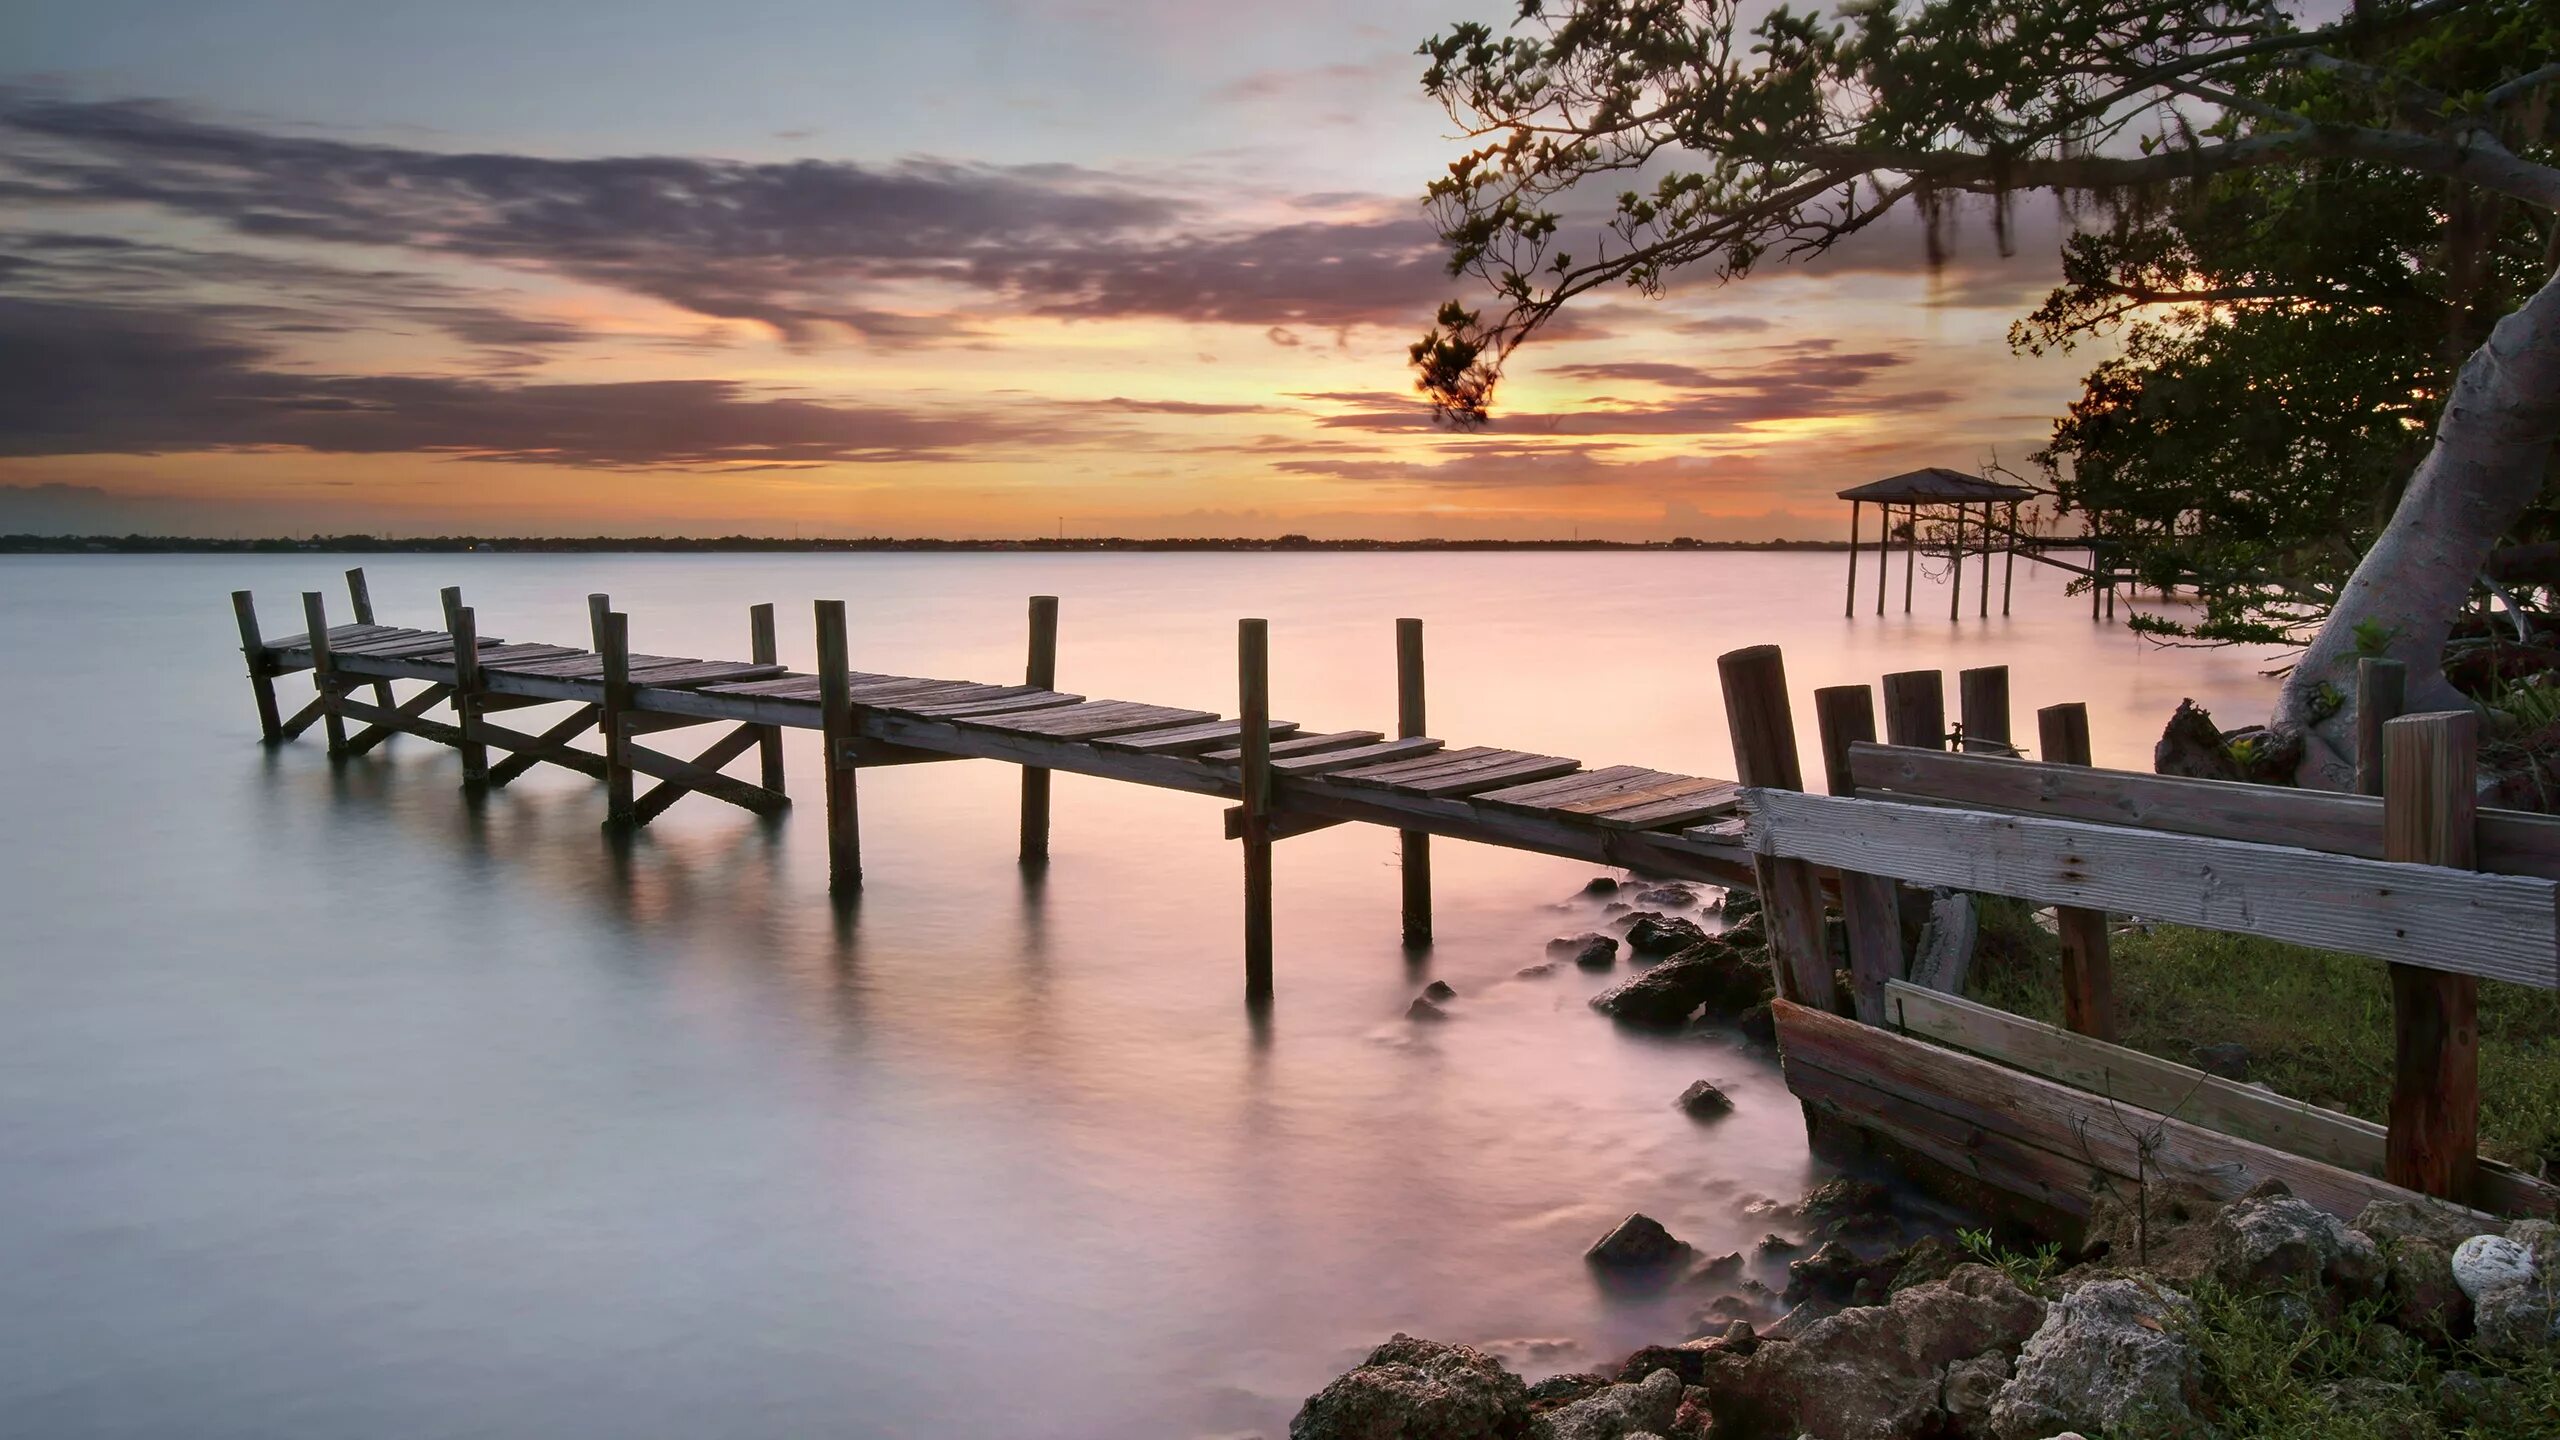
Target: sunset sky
965,269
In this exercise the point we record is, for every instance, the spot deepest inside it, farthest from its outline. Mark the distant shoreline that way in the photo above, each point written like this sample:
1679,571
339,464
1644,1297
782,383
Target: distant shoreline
748,545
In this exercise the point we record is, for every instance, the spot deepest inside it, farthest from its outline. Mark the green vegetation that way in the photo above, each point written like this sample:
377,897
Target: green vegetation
2317,1024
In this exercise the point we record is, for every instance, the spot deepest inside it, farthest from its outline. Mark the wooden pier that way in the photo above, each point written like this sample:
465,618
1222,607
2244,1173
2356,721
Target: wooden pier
2412,874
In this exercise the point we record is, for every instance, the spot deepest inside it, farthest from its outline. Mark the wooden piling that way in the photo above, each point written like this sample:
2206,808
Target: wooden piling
1915,709
2382,688
1869,904
835,703
1982,592
1910,554
1955,570
1884,556
1040,667
615,720
1413,847
2009,565
598,606
315,618
2428,818
1764,754
360,600
464,626
1852,609
1983,695
2088,969
1253,676
262,668
763,649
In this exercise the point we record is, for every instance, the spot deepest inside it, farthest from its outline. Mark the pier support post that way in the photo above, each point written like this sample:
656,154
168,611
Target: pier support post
262,668
1955,570
2088,971
1040,667
2382,688
1910,553
1915,709
324,674
2428,817
835,705
1253,677
618,803
1870,906
1884,556
1764,754
464,626
764,650
1413,847
2009,564
1852,609
360,599
1982,592
1982,693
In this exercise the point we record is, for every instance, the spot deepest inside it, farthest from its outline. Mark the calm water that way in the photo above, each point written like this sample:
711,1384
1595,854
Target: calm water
330,1107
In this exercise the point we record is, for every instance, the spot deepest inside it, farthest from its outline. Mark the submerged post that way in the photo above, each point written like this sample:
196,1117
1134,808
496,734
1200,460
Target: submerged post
464,626
2381,693
1983,694
2088,971
324,670
1253,677
619,808
262,668
1764,755
1852,609
1870,908
2428,818
1040,668
1413,846
835,706
762,649
1915,709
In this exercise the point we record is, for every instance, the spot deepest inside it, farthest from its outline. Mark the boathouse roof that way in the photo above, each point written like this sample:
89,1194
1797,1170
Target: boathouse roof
1936,484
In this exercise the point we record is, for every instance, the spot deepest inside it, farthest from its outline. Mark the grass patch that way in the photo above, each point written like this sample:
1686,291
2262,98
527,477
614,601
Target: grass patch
2317,1024
2271,1377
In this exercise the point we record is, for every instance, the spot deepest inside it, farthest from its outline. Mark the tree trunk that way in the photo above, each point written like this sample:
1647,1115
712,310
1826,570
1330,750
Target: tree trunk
2487,464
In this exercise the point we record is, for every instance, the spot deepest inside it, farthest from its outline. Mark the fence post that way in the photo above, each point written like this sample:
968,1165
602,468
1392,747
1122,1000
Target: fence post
616,650
1253,676
835,728
2428,818
262,685
1915,709
2381,693
2088,970
324,670
1983,695
1413,847
763,649
1870,907
464,627
1041,669
1764,755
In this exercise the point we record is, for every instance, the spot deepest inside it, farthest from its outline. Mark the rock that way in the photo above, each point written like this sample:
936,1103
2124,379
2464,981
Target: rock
1439,990
1740,905
1703,1101
2514,1319
1564,945
1619,1412
1722,1270
1411,1389
2265,756
2109,1358
1878,1372
1665,996
1844,1196
1601,885
1564,1389
2543,1239
2228,1059
1422,1009
2166,1229
1971,1386
1759,1023
2490,1262
1533,972
1834,1272
1638,1242
1599,952
1654,933
2418,1240
2191,746
1803,1316
2489,1404
2419,1219
2267,1241
1774,1244
1674,895
1929,1259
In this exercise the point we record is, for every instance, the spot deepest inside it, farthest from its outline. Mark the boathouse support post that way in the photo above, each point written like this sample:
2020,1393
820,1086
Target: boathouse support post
1253,711
615,720
2009,564
1040,668
2430,785
763,649
1884,556
835,706
1955,569
1764,755
1870,908
1915,709
1413,847
1910,553
262,667
324,678
2088,971
1982,591
2382,688
464,626
1852,608
1982,695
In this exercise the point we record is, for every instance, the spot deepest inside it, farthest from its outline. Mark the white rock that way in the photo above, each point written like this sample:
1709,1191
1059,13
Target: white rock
2485,1262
